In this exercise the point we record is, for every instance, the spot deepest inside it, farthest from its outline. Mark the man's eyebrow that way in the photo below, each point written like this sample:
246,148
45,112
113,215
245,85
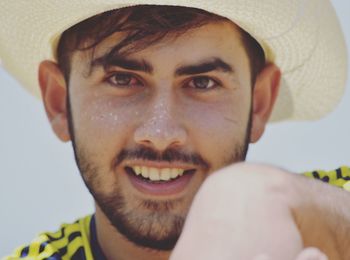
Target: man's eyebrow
204,67
108,61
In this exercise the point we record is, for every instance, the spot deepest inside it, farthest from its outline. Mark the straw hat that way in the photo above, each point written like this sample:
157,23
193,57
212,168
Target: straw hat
302,37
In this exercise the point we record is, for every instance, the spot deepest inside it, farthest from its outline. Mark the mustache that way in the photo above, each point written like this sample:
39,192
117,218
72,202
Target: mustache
169,155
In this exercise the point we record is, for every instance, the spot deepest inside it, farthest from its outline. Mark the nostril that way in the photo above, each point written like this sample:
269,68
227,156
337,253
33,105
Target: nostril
160,135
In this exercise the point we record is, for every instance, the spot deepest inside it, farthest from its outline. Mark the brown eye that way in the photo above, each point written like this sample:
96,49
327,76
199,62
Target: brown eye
202,83
123,80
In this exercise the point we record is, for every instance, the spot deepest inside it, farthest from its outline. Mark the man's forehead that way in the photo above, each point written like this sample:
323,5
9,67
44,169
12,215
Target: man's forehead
211,36
203,65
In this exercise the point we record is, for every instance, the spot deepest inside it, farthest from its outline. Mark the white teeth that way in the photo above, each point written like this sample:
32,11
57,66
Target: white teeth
173,173
144,172
155,174
137,170
165,174
176,172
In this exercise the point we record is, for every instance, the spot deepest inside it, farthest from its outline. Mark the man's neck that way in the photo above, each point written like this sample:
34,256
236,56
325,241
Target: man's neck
116,247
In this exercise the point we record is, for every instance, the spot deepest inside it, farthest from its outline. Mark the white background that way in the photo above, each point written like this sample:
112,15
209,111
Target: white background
40,187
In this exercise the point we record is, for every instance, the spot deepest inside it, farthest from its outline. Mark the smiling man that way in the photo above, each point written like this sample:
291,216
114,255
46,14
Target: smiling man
140,114
157,98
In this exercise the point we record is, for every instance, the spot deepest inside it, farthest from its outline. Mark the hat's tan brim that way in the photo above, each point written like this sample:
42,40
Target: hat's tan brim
302,37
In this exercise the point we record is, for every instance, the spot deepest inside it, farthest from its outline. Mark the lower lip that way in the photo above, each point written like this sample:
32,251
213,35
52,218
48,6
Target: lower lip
161,188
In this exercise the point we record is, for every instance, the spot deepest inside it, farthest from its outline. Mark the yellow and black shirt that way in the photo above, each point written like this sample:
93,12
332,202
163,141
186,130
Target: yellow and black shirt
78,241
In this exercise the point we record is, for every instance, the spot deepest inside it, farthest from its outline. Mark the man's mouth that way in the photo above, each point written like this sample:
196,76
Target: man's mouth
155,174
159,181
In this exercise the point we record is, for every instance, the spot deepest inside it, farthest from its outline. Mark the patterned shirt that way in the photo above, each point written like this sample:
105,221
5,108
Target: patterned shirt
78,241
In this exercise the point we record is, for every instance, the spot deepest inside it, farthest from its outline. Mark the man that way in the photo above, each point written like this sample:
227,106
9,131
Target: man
157,98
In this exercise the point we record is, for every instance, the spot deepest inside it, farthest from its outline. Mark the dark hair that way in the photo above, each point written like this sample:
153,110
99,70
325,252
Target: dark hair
144,25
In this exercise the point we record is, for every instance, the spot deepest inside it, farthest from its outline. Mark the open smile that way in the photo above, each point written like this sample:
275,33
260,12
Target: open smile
159,181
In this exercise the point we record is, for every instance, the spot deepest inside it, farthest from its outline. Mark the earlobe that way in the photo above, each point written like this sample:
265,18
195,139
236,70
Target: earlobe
264,96
54,91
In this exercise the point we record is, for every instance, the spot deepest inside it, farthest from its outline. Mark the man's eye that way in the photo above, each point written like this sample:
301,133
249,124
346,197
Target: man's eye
123,80
203,83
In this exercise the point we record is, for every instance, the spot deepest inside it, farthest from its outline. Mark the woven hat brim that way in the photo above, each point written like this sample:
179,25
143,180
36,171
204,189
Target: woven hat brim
302,37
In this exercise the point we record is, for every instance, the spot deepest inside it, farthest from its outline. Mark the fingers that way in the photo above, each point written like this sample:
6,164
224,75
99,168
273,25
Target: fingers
311,254
307,254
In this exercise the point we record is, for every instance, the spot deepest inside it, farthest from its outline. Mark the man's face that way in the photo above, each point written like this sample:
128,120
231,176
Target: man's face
154,124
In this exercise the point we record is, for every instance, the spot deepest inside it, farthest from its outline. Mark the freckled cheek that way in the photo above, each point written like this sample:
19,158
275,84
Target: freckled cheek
104,121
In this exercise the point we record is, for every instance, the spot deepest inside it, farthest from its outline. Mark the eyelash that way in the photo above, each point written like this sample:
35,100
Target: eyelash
214,82
133,77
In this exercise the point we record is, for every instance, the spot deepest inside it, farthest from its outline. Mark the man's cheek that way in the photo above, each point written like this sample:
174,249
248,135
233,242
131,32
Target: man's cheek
219,130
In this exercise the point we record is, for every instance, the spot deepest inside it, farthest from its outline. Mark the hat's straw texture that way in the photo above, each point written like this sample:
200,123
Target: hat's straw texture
302,37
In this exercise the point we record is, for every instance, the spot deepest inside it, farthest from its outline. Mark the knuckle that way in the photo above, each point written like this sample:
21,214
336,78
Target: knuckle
250,182
251,177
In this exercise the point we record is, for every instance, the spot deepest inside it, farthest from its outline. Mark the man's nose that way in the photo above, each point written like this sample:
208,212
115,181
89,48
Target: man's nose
161,128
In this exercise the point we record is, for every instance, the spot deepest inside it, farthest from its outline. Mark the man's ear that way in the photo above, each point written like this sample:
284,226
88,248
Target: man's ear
54,91
264,96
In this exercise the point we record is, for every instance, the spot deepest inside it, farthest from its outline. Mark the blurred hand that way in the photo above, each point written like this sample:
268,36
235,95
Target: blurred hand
240,212
306,254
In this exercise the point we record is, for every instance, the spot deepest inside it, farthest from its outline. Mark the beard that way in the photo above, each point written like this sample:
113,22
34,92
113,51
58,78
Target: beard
147,223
